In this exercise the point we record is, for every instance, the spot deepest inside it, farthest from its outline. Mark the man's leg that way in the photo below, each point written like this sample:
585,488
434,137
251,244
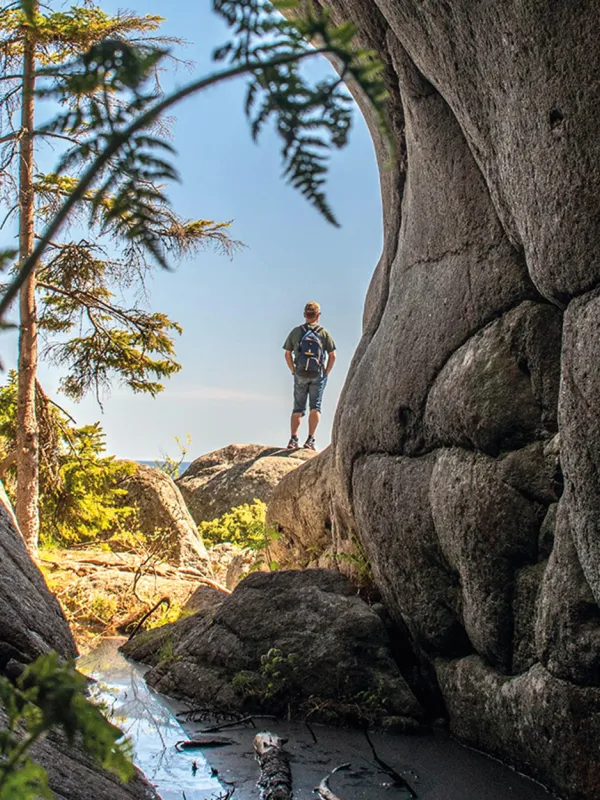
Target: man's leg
300,397
313,421
316,390
295,423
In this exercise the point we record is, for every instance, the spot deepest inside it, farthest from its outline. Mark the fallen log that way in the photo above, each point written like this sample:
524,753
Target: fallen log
195,573
323,790
275,780
203,741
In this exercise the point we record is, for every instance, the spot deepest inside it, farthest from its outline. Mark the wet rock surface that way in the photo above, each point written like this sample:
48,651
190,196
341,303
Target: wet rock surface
301,641
240,473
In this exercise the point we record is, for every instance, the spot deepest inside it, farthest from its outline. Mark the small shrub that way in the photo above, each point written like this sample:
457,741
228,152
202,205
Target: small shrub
275,679
166,654
360,563
244,526
170,465
103,606
171,614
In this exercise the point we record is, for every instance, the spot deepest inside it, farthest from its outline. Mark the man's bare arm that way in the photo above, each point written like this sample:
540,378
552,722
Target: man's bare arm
289,360
330,362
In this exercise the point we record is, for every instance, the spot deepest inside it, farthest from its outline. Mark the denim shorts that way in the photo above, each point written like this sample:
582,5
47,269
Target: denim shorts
308,389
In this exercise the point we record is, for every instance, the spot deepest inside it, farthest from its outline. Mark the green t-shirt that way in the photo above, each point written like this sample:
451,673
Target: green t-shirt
292,343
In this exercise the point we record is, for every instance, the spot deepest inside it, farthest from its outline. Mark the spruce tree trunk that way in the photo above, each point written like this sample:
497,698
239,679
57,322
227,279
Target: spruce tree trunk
27,499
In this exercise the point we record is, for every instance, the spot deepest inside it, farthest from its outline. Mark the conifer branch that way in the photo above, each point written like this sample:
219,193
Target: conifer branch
266,47
118,141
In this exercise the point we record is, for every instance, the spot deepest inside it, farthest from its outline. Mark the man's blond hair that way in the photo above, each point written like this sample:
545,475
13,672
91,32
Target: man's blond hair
312,310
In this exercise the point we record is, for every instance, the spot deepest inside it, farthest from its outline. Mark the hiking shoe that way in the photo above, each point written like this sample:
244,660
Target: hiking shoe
293,443
309,444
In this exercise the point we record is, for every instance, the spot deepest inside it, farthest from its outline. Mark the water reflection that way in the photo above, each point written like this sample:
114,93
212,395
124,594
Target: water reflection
147,720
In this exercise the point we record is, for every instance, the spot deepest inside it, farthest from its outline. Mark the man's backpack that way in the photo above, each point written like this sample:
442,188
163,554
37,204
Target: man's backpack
311,356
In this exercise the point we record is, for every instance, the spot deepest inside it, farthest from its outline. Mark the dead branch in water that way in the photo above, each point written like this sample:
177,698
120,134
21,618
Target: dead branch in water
275,780
323,789
163,600
398,779
223,725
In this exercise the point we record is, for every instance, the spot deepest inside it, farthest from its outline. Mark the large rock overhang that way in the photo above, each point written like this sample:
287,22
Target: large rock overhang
466,447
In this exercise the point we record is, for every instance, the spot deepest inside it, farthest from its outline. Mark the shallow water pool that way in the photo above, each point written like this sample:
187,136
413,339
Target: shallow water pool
150,722
436,766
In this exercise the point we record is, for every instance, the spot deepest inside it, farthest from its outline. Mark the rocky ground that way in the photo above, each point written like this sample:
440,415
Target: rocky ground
104,593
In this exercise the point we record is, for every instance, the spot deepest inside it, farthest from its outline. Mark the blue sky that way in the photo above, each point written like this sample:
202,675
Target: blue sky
234,386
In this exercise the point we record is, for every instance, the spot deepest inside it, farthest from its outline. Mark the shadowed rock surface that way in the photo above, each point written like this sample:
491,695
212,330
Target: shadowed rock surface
162,514
73,776
481,342
240,473
336,662
307,526
31,620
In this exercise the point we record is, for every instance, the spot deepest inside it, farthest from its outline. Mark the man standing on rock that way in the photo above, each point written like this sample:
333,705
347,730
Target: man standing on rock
305,354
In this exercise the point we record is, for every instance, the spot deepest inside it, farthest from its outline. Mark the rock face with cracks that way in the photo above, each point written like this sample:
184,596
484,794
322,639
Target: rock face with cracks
466,445
284,640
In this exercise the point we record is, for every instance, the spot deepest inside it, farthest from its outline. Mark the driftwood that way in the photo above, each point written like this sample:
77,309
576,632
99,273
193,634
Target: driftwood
203,741
323,790
195,573
275,780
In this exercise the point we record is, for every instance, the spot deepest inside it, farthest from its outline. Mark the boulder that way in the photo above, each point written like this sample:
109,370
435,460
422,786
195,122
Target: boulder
31,619
300,509
284,640
162,515
503,383
487,529
419,587
567,623
240,473
580,430
204,597
535,719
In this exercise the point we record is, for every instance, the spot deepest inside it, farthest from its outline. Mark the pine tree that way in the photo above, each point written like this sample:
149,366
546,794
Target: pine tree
81,498
71,298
